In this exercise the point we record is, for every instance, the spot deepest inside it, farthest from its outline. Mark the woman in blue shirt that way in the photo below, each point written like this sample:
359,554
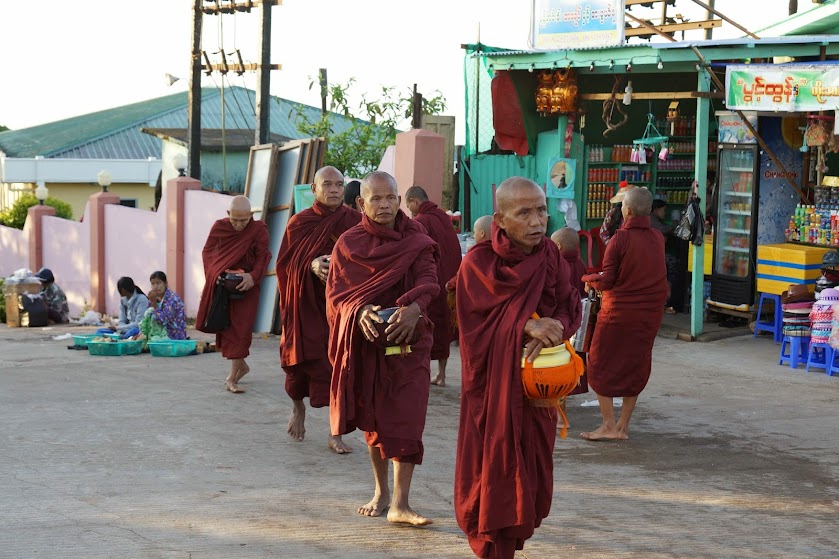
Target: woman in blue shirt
132,305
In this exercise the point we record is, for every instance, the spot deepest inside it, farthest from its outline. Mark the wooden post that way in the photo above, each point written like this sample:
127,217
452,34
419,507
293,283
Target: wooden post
194,97
263,78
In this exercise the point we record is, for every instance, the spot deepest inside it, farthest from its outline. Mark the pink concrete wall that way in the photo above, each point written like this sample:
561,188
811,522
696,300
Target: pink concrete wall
135,246
66,251
202,210
14,250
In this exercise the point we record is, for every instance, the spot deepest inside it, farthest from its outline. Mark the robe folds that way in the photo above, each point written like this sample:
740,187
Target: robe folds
634,286
228,249
504,464
303,343
385,396
578,269
439,227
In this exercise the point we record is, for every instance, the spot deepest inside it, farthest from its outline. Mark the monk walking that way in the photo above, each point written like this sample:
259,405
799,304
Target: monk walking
634,286
504,464
302,269
385,262
236,244
439,227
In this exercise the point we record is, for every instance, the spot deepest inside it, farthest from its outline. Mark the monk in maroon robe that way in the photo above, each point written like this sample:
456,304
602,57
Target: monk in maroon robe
634,286
238,244
504,465
302,269
386,261
439,227
568,242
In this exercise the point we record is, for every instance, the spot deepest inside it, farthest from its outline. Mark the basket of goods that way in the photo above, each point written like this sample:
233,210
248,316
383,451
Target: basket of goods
172,348
108,347
80,340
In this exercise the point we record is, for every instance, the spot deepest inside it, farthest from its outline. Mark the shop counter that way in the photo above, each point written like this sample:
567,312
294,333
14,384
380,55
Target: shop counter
780,265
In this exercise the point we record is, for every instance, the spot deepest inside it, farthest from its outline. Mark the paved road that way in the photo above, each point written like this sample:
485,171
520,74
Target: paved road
731,456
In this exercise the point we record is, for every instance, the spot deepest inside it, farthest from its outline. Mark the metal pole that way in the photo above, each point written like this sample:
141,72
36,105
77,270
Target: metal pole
194,96
263,80
709,33
700,174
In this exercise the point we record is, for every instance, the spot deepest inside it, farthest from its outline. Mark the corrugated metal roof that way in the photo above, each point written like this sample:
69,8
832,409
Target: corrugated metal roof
115,133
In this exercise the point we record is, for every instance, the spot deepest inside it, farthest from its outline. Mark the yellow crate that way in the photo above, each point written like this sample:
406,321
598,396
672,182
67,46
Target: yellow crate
795,275
708,249
776,287
792,253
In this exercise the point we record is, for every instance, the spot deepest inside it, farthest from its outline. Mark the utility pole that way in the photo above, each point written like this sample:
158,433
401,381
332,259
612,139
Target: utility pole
416,109
263,80
194,96
324,84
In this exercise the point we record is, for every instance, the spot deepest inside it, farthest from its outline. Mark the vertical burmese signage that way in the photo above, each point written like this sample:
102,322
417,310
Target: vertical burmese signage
783,87
576,24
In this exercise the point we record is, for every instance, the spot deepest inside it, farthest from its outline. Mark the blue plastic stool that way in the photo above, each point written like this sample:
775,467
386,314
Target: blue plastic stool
820,357
833,367
777,325
798,349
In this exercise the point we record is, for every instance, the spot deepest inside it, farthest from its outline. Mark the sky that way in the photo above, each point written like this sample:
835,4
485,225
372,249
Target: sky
63,59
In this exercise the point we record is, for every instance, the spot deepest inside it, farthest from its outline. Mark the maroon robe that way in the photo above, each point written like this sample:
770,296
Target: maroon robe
303,344
385,396
577,268
634,286
504,465
228,249
439,227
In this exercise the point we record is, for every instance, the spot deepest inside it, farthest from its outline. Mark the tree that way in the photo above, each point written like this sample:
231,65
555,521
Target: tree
358,149
3,128
16,215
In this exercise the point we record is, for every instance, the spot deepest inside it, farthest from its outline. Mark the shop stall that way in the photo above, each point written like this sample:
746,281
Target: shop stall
580,121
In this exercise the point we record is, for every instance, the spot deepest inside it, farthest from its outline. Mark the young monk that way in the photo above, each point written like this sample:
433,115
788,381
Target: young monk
302,268
504,465
481,228
634,286
439,227
386,261
236,242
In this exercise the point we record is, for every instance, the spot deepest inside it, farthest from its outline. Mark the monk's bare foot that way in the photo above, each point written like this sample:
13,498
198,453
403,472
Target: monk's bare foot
407,516
439,381
338,445
296,423
243,370
604,434
233,387
376,507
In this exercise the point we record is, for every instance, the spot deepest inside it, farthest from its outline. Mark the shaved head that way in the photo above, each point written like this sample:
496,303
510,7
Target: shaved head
566,239
329,169
240,213
511,189
240,204
522,212
638,202
377,176
482,228
379,199
416,193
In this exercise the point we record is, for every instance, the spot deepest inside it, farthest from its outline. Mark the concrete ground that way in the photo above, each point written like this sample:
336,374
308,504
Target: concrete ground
731,456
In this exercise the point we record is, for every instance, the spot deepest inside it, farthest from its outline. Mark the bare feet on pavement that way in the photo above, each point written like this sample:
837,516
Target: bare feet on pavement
439,381
296,423
233,387
376,507
338,445
407,516
604,434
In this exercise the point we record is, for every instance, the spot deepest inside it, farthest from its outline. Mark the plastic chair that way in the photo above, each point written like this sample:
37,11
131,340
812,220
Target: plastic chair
820,357
777,324
589,244
798,349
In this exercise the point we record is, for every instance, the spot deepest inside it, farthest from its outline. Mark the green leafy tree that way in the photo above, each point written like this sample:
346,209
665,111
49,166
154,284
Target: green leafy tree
3,128
16,215
358,149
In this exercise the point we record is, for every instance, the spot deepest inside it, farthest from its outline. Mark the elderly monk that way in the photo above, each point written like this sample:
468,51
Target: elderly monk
634,286
386,261
302,269
504,465
567,240
238,244
439,227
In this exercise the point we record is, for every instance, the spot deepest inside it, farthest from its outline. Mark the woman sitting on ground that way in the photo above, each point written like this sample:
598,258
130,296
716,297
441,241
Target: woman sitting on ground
165,313
132,306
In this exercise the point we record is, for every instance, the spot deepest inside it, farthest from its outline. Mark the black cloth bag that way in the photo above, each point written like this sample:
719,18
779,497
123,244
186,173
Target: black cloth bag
33,310
218,317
